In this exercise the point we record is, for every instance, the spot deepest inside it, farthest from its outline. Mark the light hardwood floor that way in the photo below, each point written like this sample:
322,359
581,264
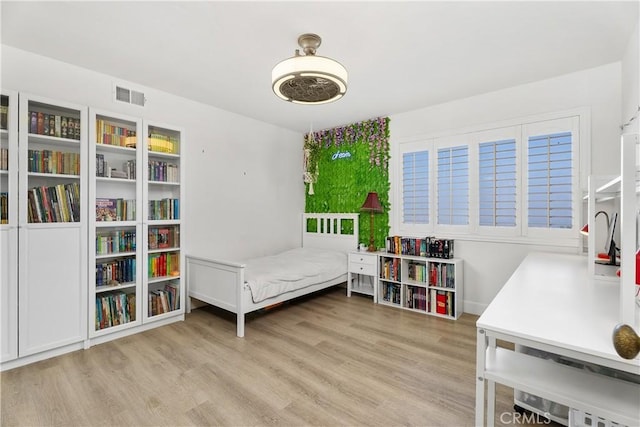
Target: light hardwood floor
327,360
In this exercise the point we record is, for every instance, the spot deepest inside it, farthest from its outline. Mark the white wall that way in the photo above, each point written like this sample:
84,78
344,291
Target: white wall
630,82
244,194
488,265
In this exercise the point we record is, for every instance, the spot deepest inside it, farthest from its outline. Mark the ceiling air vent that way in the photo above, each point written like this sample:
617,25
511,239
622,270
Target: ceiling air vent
129,96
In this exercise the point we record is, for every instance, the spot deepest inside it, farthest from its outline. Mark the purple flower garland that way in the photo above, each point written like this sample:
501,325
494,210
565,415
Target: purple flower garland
374,132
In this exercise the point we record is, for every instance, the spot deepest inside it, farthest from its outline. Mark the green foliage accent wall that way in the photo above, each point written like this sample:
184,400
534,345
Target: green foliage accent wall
351,161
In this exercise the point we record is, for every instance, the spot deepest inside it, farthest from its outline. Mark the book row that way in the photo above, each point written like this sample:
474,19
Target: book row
57,162
110,134
417,271
105,169
4,208
164,300
54,125
59,203
164,237
429,247
442,275
164,209
418,298
112,273
4,159
163,172
390,269
164,143
115,210
442,302
117,241
115,309
4,114
164,264
390,292
439,302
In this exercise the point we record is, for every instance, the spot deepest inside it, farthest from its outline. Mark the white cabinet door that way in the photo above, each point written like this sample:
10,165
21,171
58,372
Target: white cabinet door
52,287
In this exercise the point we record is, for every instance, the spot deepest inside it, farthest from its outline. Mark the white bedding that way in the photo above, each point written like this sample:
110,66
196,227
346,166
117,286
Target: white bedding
294,269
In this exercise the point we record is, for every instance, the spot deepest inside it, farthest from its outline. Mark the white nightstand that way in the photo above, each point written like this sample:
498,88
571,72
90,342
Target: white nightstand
363,264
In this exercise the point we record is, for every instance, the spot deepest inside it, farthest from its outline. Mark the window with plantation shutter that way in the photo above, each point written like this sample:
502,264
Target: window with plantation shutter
516,181
453,185
550,181
415,187
497,193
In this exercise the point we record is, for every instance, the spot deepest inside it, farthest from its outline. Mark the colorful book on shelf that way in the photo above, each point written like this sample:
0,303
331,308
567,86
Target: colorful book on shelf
40,118
59,203
163,238
153,239
441,302
173,291
106,210
163,143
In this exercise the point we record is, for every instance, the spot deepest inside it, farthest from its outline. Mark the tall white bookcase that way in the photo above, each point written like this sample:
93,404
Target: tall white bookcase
52,224
115,222
135,257
92,236
9,226
163,237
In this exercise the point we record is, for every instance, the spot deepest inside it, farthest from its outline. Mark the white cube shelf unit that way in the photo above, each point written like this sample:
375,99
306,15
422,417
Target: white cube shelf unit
431,286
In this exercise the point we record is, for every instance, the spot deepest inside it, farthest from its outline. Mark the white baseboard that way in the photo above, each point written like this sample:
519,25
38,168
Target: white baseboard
473,307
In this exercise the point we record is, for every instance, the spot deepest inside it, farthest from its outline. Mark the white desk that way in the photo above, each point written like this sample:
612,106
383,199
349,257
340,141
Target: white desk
551,303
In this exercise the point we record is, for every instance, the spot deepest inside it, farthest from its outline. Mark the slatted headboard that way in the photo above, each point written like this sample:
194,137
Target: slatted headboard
338,231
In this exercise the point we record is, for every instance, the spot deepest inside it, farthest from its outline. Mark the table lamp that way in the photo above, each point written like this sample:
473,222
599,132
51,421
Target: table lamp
372,205
585,231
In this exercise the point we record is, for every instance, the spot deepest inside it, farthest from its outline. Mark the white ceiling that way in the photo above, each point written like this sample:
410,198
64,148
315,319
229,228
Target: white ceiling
400,55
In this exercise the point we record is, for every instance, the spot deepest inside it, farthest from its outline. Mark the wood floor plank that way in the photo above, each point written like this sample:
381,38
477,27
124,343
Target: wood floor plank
325,360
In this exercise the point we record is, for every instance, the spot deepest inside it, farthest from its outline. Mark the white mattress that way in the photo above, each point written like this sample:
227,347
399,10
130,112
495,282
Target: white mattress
291,270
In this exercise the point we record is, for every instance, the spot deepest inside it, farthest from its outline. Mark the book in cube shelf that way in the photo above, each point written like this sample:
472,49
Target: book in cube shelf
430,247
442,302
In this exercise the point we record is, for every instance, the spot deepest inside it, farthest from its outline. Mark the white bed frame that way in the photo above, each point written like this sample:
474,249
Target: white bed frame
221,283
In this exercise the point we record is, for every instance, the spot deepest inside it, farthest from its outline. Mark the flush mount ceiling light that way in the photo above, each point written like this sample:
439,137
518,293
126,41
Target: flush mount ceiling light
309,79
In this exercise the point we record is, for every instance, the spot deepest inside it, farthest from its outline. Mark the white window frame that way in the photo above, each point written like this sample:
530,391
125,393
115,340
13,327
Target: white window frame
571,124
492,135
411,147
518,129
449,142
